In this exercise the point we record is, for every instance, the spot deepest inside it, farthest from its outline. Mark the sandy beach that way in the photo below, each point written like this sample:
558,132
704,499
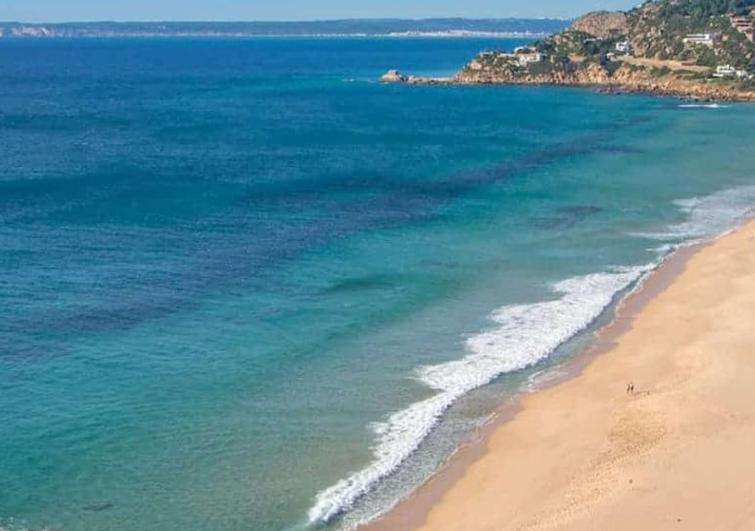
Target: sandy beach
586,454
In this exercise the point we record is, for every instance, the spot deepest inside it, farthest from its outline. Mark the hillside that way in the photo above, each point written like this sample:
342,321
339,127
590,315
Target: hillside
696,48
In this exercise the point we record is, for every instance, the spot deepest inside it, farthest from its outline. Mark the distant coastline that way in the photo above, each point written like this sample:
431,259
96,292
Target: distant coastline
437,27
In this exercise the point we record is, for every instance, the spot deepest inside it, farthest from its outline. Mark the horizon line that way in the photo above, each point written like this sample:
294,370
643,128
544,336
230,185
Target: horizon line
293,21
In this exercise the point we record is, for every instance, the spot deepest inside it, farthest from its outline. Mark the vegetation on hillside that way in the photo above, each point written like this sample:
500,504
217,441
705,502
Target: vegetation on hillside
657,32
658,28
700,10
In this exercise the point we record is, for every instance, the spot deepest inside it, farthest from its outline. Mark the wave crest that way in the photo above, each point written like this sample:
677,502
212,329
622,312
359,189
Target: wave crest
709,215
525,334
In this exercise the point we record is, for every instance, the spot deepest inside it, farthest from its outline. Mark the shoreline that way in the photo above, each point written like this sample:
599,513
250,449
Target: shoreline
414,512
690,92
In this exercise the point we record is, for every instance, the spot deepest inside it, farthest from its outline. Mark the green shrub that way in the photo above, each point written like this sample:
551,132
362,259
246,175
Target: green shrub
543,67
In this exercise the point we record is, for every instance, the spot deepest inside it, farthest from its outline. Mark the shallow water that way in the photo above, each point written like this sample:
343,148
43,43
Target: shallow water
242,281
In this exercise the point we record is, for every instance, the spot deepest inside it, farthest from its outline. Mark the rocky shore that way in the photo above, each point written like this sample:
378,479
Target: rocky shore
623,80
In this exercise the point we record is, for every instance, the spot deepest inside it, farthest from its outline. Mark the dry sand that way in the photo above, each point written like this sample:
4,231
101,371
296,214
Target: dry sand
678,453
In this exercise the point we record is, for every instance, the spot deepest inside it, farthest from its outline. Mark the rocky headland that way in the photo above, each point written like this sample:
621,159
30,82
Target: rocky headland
698,49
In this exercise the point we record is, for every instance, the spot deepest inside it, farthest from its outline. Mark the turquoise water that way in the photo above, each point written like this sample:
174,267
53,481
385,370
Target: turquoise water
245,287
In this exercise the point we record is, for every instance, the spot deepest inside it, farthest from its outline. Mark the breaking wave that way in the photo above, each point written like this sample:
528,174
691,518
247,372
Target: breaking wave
703,106
709,215
522,336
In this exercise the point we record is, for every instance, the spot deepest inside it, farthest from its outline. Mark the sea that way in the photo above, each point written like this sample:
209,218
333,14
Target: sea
247,287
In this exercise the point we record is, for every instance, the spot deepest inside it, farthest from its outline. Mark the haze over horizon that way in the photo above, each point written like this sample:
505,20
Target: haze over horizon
53,11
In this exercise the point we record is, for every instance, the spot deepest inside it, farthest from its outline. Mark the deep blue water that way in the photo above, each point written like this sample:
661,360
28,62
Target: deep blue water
231,270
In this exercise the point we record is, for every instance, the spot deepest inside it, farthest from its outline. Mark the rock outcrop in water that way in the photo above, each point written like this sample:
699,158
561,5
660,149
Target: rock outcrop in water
393,76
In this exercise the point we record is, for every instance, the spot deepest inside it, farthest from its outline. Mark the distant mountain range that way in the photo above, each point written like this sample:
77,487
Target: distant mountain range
348,27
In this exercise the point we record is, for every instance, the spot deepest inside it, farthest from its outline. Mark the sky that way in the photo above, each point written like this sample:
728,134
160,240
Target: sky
138,10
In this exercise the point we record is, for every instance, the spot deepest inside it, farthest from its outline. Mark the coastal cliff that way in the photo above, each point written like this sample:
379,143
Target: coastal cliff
623,78
688,48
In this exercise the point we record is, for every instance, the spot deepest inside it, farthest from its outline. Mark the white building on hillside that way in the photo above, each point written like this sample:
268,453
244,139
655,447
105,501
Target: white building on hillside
725,71
623,47
525,59
702,38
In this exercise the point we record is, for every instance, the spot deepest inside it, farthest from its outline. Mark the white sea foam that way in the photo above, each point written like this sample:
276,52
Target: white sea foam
709,215
703,106
524,335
